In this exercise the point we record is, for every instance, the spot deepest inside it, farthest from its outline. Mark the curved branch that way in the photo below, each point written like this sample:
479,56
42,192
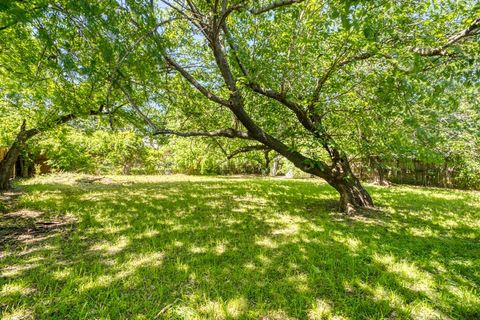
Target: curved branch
226,13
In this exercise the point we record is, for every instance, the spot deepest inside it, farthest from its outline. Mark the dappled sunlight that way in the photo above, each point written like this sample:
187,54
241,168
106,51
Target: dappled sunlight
422,311
276,315
13,270
266,242
25,214
233,308
380,294
469,297
62,274
198,249
18,314
322,309
263,260
185,312
110,248
299,282
286,225
220,248
13,289
147,234
407,273
423,232
122,271
213,310
225,248
237,307
352,243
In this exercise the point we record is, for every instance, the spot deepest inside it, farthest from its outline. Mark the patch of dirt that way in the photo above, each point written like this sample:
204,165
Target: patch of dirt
88,179
24,214
25,226
6,200
22,231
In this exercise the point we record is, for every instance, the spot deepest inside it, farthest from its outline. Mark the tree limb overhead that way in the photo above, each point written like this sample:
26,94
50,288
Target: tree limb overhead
441,51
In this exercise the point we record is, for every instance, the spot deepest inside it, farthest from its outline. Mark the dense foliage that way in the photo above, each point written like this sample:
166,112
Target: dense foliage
325,84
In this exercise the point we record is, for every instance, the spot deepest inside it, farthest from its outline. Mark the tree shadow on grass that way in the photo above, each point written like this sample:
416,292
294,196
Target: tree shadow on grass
221,248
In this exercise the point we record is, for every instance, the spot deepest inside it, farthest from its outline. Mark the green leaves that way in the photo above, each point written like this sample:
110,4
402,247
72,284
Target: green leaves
369,33
374,92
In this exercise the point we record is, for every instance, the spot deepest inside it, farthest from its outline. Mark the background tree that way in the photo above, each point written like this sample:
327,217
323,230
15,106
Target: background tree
50,70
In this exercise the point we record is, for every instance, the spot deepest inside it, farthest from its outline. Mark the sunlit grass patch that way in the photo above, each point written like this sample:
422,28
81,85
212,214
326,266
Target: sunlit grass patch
180,247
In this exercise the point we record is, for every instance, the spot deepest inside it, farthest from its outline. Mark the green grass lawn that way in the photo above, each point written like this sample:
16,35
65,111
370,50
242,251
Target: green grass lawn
180,247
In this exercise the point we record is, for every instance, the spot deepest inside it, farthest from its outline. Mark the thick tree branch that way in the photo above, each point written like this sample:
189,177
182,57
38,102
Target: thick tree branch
359,57
225,13
309,121
234,49
242,6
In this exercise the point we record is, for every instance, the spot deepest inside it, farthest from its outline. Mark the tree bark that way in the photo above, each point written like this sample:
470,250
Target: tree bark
353,195
7,165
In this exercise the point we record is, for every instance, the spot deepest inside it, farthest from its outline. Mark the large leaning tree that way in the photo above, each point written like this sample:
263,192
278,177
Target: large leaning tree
297,77
315,81
51,73
310,79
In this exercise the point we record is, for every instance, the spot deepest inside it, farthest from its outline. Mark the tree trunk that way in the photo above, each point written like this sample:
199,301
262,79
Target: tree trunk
24,166
126,168
7,165
353,195
266,170
379,171
273,172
